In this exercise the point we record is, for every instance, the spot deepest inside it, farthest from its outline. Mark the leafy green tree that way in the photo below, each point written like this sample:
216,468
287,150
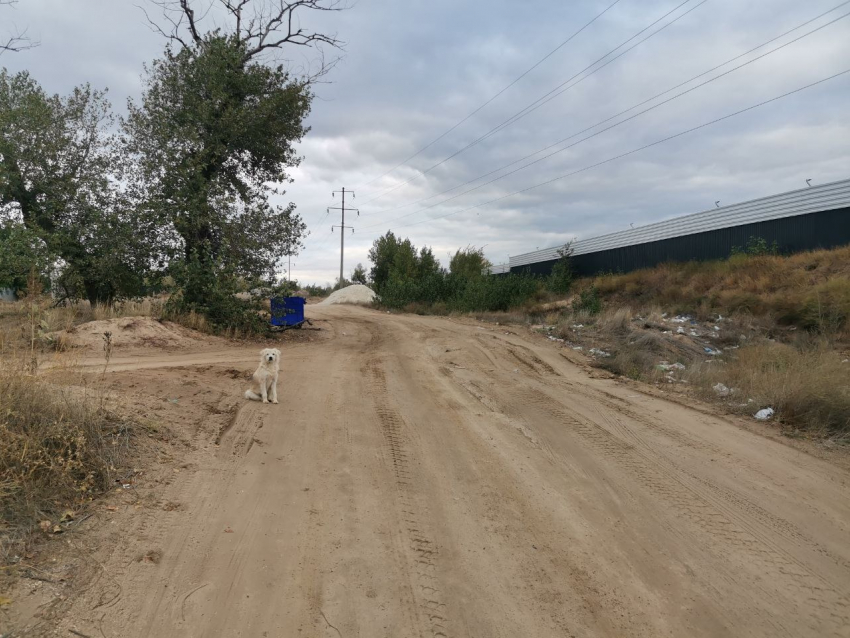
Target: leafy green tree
406,261
428,264
358,275
468,263
382,255
58,176
214,129
561,278
21,253
396,259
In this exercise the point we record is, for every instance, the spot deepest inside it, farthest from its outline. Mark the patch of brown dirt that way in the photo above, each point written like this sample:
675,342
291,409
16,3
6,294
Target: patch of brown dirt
135,332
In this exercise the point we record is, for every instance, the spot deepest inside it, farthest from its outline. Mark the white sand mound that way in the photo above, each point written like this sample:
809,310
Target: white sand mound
356,294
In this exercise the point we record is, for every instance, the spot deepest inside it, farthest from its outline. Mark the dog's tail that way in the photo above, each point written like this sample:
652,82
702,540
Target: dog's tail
250,394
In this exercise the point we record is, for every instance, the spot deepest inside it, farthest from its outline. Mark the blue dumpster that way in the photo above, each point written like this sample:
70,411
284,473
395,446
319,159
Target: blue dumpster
287,312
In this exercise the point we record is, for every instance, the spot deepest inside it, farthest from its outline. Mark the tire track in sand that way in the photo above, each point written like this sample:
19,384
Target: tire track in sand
827,607
422,551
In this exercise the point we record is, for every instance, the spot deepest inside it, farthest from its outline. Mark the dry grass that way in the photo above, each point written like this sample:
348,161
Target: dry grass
60,446
809,290
32,322
808,384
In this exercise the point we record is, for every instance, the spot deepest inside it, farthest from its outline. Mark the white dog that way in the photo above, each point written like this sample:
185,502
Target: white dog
266,377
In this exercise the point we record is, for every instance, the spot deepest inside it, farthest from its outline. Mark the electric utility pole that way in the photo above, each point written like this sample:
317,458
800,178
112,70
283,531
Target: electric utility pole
342,228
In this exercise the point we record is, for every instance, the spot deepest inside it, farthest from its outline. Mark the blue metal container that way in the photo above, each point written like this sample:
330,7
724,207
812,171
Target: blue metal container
287,312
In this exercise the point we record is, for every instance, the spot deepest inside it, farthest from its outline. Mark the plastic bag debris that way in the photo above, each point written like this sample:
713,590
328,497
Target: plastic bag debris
671,366
722,390
764,415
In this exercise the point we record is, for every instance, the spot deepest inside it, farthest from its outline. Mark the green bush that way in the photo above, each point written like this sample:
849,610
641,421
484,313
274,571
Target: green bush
757,246
460,294
561,279
589,301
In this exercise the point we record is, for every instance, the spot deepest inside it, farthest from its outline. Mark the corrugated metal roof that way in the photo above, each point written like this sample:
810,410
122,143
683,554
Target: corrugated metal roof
499,269
799,202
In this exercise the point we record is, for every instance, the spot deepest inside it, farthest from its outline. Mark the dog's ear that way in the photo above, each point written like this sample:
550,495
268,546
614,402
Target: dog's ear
277,352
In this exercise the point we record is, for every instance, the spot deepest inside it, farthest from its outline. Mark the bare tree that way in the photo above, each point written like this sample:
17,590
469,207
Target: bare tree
18,41
262,26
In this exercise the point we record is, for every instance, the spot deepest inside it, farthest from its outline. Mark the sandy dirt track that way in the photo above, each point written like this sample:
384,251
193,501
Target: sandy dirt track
433,478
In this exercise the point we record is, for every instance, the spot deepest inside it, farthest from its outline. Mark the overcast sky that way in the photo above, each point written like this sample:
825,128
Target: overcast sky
412,69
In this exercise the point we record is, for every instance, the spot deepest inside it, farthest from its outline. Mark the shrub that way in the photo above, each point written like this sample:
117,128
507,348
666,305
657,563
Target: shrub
455,293
589,301
561,279
59,448
757,246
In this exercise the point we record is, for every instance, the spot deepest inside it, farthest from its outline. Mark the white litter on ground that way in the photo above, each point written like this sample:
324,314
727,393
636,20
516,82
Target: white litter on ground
671,366
722,390
355,294
764,415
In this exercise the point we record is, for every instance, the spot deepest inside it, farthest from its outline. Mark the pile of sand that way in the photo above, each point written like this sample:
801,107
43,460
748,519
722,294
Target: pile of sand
355,294
133,332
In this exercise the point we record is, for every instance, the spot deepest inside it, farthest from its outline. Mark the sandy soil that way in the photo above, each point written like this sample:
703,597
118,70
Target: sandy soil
353,294
430,477
129,333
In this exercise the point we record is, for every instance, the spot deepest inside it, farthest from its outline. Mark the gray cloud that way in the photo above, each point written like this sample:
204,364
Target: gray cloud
413,69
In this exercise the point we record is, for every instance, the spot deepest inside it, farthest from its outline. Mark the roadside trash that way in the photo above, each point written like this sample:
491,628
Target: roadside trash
717,327
577,348
694,333
712,351
682,319
553,338
722,390
599,352
671,366
764,415
578,325
680,330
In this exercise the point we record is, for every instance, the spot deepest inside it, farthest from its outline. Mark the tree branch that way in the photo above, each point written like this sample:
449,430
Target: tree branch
190,15
18,41
259,25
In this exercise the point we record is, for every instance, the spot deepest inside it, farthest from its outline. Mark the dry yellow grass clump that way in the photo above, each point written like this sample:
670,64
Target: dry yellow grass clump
60,446
807,384
810,290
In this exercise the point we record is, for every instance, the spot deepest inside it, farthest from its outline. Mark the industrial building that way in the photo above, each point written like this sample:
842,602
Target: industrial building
805,219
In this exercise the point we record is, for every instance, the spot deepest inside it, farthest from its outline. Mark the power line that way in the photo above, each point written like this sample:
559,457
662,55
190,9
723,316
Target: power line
633,151
628,119
517,79
543,99
631,108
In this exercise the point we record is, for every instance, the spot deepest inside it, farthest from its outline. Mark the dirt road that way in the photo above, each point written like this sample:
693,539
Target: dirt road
426,477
